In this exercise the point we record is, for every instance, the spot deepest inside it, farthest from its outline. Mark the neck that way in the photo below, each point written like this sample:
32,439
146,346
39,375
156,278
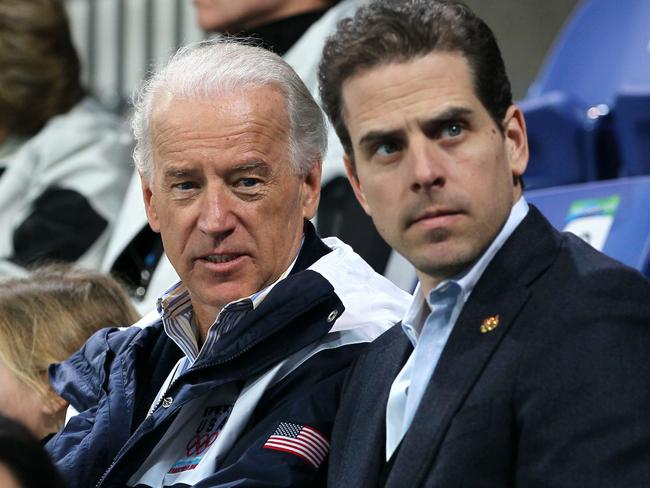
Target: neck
429,281
286,10
204,320
281,33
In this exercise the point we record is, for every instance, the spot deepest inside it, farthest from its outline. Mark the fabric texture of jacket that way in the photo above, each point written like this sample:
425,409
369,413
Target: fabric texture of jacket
61,190
288,357
553,394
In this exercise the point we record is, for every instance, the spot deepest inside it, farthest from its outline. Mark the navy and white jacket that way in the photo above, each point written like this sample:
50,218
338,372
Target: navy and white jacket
287,359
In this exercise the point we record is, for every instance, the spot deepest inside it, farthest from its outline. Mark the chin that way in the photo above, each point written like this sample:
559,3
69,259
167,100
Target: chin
441,262
220,296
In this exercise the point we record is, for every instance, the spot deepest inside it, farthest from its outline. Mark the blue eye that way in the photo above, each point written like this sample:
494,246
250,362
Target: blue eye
248,182
185,186
452,130
387,149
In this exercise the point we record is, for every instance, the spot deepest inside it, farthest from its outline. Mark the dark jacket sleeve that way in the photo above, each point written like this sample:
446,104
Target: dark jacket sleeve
90,439
61,226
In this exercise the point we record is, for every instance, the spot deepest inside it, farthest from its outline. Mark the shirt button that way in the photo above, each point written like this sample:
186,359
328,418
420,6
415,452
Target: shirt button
167,402
332,315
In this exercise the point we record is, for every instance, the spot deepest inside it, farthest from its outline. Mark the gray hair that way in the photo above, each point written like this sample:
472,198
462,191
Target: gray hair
207,68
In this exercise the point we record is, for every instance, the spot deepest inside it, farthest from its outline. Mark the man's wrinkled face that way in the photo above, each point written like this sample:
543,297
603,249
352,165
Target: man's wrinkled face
431,167
224,194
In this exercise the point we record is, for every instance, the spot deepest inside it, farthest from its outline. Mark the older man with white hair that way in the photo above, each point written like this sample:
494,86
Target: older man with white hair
296,30
235,378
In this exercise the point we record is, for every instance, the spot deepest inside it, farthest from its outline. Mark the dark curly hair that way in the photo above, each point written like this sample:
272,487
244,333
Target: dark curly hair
390,31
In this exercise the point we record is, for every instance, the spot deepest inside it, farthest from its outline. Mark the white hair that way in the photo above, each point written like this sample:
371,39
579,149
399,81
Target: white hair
207,68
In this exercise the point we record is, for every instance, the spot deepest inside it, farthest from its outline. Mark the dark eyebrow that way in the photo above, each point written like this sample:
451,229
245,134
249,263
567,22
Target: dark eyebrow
260,166
175,172
374,136
178,172
450,115
433,126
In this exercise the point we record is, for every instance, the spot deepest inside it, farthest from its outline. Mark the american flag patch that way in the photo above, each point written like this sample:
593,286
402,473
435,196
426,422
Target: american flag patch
300,440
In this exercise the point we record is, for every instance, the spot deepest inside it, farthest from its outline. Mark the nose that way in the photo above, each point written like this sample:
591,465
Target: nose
427,166
216,217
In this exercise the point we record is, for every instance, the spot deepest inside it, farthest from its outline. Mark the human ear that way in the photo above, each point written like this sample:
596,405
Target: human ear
311,191
149,203
516,141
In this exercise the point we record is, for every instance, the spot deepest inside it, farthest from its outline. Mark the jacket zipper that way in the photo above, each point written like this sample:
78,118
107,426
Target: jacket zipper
222,361
173,383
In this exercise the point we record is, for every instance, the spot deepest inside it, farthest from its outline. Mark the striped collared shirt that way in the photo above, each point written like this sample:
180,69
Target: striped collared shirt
179,320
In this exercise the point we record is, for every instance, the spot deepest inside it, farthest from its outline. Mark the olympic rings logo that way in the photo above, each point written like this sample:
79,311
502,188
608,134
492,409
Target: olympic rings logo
200,443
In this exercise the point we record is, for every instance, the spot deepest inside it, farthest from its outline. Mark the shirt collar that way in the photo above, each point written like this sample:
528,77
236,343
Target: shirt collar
177,314
420,308
259,296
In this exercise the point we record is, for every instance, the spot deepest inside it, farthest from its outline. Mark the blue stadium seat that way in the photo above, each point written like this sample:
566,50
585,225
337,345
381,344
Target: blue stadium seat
601,52
613,216
558,137
603,46
632,125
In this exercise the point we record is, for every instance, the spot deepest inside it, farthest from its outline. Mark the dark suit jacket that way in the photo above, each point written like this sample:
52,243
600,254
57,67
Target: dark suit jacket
557,395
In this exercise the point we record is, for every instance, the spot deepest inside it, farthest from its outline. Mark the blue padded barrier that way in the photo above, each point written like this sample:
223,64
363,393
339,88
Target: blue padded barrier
632,125
559,138
614,216
603,50
603,46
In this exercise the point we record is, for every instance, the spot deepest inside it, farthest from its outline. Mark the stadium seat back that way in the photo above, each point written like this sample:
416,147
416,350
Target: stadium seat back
613,216
603,46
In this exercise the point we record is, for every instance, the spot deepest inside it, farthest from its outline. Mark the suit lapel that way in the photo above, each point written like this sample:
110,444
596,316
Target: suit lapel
364,452
502,290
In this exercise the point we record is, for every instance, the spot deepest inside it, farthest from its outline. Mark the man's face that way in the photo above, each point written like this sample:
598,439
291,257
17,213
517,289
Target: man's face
235,15
224,195
432,168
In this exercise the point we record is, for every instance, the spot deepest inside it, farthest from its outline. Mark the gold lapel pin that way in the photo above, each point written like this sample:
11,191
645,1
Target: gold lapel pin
489,324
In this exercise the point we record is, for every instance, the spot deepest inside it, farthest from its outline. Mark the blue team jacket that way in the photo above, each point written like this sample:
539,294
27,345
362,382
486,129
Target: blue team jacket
113,380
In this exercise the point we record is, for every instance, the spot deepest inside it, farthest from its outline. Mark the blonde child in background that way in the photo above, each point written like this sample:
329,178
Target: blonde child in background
44,318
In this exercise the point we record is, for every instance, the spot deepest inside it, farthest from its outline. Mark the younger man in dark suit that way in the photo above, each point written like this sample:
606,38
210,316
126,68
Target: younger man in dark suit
525,356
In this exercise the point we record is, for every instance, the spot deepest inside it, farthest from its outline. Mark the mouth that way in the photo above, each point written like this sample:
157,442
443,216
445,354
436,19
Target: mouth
435,218
223,262
220,258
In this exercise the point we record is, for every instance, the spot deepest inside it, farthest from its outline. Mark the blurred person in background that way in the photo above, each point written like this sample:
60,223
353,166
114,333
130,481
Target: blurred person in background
295,30
44,318
23,461
64,161
233,17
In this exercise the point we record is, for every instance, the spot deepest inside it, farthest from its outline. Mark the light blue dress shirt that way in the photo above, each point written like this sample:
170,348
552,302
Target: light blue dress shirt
428,324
